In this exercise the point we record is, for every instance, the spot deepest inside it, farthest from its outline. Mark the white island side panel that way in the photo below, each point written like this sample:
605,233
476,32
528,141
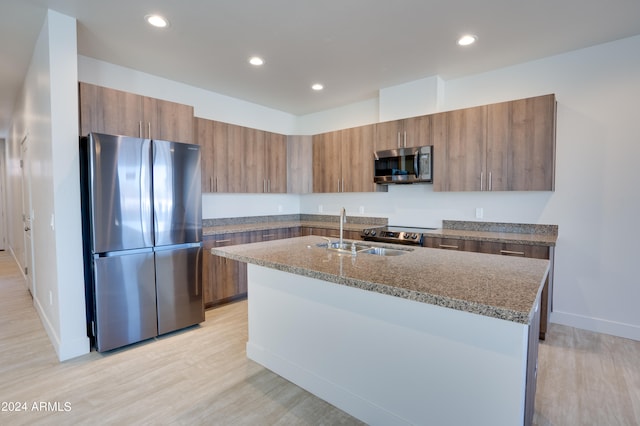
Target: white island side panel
383,359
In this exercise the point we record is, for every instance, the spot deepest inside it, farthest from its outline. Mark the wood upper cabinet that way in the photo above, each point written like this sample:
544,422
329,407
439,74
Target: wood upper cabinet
343,160
508,146
521,144
327,162
116,112
407,133
265,162
461,157
240,159
299,164
275,155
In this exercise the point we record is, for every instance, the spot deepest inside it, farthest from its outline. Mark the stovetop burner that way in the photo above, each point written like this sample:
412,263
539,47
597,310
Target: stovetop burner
395,234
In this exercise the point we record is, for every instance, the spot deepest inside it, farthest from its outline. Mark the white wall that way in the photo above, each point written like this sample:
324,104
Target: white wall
47,112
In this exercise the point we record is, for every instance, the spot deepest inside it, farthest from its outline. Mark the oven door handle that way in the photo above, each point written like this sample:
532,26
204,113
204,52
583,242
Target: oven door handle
416,163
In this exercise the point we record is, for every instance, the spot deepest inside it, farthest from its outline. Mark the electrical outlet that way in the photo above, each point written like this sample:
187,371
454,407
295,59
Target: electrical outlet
479,212
279,208
320,208
361,210
50,298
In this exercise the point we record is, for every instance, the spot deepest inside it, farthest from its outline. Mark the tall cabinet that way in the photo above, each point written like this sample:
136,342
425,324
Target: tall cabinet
116,112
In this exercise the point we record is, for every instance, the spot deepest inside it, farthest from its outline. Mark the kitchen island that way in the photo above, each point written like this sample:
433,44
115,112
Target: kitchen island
426,337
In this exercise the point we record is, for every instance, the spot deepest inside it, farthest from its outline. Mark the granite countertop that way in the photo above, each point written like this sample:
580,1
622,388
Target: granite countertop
499,237
490,285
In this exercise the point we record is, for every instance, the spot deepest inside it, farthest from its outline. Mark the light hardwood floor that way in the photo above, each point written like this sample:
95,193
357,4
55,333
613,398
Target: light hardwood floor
202,376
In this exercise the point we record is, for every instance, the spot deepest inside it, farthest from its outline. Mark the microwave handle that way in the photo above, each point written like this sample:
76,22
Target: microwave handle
416,163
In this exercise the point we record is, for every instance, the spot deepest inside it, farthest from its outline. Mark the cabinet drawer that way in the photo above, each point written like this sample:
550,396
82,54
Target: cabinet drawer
509,249
452,244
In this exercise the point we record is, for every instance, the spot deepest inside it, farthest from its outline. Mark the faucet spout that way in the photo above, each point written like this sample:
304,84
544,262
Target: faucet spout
343,219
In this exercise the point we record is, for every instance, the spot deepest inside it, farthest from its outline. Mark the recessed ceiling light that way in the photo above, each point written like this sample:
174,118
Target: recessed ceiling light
157,21
256,60
317,86
467,39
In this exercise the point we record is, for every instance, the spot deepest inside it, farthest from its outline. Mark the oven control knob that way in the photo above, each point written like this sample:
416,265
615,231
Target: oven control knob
414,236
373,233
366,232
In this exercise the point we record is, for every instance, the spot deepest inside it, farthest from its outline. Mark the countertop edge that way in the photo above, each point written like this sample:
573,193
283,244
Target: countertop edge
442,301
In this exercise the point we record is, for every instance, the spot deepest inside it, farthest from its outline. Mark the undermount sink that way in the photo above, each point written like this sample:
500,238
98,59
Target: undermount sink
362,248
383,251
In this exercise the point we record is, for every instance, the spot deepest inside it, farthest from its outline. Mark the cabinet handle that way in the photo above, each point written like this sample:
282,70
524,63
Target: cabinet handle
512,253
139,129
481,181
448,247
405,139
490,183
269,185
268,235
264,185
215,184
149,129
399,140
211,183
342,185
222,241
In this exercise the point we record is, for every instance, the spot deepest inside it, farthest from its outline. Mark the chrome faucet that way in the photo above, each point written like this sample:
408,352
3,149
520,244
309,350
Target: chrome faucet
343,219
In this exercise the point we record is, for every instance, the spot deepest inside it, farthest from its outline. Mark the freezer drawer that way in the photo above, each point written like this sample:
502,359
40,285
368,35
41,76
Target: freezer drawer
124,299
179,287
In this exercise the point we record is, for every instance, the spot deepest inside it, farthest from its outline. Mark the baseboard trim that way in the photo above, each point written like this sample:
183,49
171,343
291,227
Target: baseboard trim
598,325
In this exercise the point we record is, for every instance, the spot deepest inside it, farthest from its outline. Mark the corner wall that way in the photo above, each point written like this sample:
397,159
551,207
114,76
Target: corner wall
47,114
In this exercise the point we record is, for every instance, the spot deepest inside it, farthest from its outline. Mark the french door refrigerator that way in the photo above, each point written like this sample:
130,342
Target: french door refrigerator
142,232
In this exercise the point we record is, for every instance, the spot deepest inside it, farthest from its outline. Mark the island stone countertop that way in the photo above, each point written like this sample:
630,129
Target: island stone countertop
490,285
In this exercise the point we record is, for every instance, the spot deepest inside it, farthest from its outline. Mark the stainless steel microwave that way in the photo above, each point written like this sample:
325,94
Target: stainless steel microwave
404,165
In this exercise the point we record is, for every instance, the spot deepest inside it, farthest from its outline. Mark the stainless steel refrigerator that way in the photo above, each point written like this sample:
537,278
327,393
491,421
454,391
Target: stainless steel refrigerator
142,232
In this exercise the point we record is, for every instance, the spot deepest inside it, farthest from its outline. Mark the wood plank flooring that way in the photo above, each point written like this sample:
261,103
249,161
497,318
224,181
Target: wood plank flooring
202,376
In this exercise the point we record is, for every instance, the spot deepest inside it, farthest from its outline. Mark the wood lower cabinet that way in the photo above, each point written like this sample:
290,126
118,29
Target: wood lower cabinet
225,280
117,112
504,249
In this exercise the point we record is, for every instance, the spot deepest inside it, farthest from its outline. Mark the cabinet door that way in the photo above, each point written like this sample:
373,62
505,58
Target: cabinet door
223,279
327,164
253,161
388,135
203,131
439,131
521,144
220,182
299,164
358,169
417,131
275,157
109,111
235,174
169,121
465,150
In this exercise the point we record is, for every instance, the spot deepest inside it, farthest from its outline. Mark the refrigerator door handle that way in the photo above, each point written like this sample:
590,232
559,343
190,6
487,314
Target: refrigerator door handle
177,247
123,252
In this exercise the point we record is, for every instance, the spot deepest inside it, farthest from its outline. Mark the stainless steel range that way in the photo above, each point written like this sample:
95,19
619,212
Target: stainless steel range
395,234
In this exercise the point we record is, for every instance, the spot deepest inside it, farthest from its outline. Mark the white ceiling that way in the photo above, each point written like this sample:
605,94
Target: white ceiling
353,47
